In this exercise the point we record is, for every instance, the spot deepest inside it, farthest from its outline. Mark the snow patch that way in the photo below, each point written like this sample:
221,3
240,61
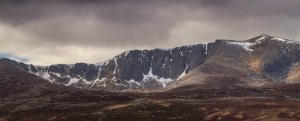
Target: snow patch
165,62
116,66
29,68
131,81
245,45
184,72
181,53
279,39
45,75
72,81
87,82
56,74
162,81
206,49
261,38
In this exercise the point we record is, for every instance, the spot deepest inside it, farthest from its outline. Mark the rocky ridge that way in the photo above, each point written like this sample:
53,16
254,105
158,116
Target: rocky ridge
134,69
252,62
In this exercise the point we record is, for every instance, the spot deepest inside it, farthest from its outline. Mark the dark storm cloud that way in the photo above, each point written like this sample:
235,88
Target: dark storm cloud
91,22
109,22
130,24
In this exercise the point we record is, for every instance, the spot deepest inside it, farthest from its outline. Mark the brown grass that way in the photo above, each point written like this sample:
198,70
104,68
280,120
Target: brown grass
294,75
255,64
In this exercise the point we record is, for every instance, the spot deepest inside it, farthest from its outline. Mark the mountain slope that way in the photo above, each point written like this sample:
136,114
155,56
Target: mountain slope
254,62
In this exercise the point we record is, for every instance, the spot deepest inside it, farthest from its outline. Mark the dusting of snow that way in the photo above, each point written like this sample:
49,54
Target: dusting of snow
245,45
116,66
279,39
132,81
181,53
262,37
285,40
165,62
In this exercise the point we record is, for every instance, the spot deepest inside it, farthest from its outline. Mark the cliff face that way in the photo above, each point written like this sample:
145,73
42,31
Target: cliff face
148,69
257,60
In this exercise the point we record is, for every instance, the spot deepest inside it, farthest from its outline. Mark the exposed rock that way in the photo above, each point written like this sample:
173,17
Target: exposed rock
255,61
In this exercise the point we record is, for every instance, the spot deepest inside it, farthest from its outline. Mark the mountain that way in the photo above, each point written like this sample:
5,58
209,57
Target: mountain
135,69
254,62
254,79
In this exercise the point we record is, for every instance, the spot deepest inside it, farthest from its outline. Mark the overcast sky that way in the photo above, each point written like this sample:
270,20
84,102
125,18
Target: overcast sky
44,32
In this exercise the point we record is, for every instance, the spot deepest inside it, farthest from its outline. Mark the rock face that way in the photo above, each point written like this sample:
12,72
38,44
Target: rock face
257,60
135,69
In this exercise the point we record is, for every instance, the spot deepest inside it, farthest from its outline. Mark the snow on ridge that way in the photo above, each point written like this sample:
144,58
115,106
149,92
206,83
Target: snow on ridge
245,45
279,39
262,37
285,40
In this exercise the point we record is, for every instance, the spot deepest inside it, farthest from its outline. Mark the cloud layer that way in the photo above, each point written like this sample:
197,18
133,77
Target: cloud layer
69,31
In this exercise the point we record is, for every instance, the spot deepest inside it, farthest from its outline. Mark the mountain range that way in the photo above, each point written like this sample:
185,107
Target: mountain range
254,62
226,80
